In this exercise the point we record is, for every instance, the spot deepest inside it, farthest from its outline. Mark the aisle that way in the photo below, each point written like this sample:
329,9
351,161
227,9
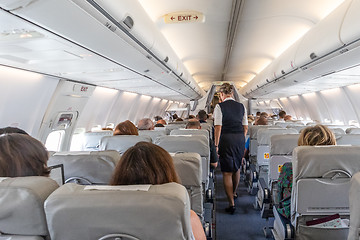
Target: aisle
245,224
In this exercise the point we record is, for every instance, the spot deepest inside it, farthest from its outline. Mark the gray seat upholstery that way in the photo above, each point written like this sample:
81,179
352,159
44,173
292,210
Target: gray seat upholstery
299,128
354,196
153,134
91,140
170,127
337,131
188,168
348,139
253,131
196,144
207,126
121,143
320,187
94,167
180,132
281,148
22,207
127,212
352,131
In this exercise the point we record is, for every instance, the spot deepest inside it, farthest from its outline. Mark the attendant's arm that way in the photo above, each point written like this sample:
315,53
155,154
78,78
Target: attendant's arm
217,134
245,129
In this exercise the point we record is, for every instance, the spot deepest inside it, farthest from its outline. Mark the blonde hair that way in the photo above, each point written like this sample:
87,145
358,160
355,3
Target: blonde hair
316,135
226,88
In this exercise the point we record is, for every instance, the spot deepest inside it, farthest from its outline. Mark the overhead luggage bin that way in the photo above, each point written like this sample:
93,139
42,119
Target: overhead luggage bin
350,29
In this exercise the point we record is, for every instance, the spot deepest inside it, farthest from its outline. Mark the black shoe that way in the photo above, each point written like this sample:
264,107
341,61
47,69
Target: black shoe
230,209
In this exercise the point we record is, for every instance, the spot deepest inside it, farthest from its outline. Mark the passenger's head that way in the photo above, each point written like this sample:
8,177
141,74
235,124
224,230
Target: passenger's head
262,121
316,135
179,120
157,118
282,114
126,128
175,116
145,124
159,125
258,114
22,155
161,121
287,118
202,115
193,124
191,116
226,90
264,114
144,163
12,130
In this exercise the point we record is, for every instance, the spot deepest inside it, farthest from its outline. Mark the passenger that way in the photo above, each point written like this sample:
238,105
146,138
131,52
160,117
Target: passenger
145,124
107,129
126,128
157,118
12,130
282,115
195,124
231,126
22,155
191,116
179,120
262,116
202,116
287,118
174,117
161,121
159,125
310,136
147,163
261,121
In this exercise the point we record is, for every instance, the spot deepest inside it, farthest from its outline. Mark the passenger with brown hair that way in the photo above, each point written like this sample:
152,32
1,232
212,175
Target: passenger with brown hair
22,155
282,115
12,130
161,121
310,136
146,124
126,128
147,163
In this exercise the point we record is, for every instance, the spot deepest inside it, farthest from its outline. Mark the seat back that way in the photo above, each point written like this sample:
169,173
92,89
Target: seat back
321,180
195,144
121,143
170,127
281,148
180,132
253,131
348,139
354,196
337,131
94,167
352,130
263,139
91,140
22,206
188,168
153,134
297,127
119,212
207,126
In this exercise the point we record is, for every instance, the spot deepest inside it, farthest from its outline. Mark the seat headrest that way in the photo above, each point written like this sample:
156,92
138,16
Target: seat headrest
95,166
348,139
315,161
352,131
180,132
337,131
283,144
171,127
153,134
264,134
152,212
253,130
121,143
195,143
188,168
91,140
22,205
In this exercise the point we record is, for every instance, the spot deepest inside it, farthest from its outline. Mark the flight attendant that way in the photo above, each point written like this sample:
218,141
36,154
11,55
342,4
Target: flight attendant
231,125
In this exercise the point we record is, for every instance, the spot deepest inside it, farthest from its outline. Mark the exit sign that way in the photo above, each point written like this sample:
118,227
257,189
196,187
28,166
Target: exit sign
184,17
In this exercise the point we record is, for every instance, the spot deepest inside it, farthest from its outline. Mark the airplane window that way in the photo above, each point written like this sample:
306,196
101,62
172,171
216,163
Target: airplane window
53,141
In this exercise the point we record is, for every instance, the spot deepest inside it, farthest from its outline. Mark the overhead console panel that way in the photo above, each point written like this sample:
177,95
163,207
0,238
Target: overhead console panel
330,46
119,31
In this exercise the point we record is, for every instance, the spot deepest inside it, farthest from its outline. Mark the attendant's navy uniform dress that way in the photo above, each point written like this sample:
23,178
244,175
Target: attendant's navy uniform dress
232,139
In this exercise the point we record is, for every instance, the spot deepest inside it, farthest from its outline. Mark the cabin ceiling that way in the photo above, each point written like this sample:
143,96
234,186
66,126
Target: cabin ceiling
262,30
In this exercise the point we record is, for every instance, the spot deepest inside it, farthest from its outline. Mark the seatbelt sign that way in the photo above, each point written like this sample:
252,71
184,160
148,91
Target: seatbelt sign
279,168
266,155
184,17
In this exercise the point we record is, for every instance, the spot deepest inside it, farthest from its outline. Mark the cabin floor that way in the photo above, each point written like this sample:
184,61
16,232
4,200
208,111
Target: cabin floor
246,223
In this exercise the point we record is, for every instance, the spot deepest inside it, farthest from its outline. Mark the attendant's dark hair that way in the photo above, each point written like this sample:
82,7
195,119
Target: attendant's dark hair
126,128
22,155
226,88
144,163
